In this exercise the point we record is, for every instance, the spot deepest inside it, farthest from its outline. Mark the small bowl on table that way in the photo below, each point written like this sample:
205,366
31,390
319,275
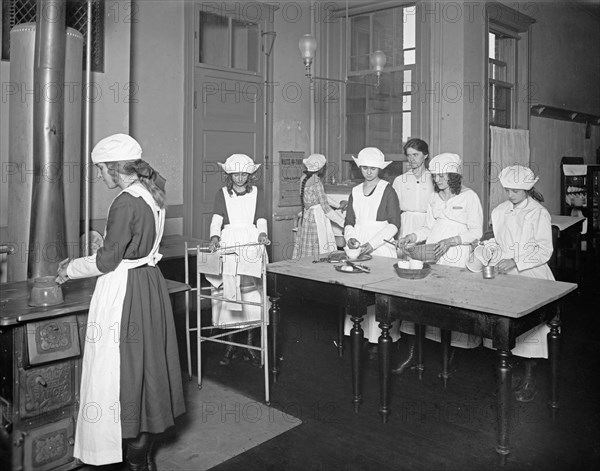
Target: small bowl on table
352,254
412,269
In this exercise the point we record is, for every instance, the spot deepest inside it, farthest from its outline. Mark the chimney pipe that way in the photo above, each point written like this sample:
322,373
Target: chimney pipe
47,242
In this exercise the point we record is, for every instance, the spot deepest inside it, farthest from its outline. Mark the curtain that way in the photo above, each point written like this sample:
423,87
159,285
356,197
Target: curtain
508,147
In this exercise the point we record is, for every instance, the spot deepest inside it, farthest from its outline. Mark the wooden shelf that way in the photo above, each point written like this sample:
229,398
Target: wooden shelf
551,112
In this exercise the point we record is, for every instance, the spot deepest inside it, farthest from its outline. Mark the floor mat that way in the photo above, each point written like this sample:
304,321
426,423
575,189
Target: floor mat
220,423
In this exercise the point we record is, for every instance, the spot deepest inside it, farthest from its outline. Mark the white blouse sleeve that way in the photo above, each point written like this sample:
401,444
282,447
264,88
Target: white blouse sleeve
474,219
215,225
261,225
83,267
535,246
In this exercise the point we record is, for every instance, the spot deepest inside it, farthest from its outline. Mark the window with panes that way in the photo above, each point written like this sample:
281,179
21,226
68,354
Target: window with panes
381,116
502,78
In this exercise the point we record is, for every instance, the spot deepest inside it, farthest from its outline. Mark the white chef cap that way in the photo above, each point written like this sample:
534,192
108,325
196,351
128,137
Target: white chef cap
116,148
517,177
371,157
239,163
314,162
446,163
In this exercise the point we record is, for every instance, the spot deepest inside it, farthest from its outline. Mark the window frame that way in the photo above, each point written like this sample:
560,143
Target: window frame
231,17
511,64
510,23
366,74
515,25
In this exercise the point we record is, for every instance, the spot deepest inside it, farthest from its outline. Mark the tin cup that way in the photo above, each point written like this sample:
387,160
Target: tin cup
488,272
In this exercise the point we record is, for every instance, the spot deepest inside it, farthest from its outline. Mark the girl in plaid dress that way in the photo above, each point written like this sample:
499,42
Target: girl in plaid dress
315,235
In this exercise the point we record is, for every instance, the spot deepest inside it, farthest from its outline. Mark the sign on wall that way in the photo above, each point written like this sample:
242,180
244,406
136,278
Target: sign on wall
290,173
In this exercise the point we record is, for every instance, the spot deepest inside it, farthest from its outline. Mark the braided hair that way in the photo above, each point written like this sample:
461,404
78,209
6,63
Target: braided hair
307,174
147,176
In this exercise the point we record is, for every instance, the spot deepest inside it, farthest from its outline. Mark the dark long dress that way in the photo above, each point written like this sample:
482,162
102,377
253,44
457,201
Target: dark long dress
151,392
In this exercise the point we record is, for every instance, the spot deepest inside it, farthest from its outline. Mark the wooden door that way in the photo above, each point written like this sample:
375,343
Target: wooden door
229,98
228,119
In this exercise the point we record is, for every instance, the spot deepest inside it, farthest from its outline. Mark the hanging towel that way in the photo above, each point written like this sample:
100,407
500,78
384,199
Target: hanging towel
575,170
508,147
209,263
231,291
250,260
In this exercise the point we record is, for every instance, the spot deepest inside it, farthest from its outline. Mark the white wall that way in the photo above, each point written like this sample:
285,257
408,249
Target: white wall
156,111
109,101
565,67
291,110
565,72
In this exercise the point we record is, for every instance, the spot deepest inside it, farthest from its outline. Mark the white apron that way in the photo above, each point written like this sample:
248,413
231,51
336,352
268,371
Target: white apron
366,226
512,233
324,230
456,256
240,230
98,434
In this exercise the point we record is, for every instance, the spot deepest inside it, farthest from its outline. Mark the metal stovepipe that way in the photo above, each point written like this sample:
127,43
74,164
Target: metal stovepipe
47,237
87,131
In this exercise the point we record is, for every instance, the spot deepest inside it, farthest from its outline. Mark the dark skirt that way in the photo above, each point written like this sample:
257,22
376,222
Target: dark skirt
151,392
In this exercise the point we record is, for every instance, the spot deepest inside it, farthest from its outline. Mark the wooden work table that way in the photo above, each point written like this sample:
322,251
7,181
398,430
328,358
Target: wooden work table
501,308
321,282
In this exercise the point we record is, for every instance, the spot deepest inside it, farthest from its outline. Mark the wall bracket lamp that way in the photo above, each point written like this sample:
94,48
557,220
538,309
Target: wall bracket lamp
308,46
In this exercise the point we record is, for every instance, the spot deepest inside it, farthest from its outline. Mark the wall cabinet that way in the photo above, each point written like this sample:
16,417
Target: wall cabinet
580,196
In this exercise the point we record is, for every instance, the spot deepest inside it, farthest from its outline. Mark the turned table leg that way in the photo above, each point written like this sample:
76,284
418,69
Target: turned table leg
356,347
504,403
385,361
274,331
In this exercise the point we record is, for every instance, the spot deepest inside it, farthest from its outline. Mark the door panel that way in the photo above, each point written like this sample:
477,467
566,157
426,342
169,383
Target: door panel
228,119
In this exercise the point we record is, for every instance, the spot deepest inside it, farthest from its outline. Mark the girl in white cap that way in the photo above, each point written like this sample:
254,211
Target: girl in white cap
315,234
523,238
454,220
414,187
373,216
239,218
131,378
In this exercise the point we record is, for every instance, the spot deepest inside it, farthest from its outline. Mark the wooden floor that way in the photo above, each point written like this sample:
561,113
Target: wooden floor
430,428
